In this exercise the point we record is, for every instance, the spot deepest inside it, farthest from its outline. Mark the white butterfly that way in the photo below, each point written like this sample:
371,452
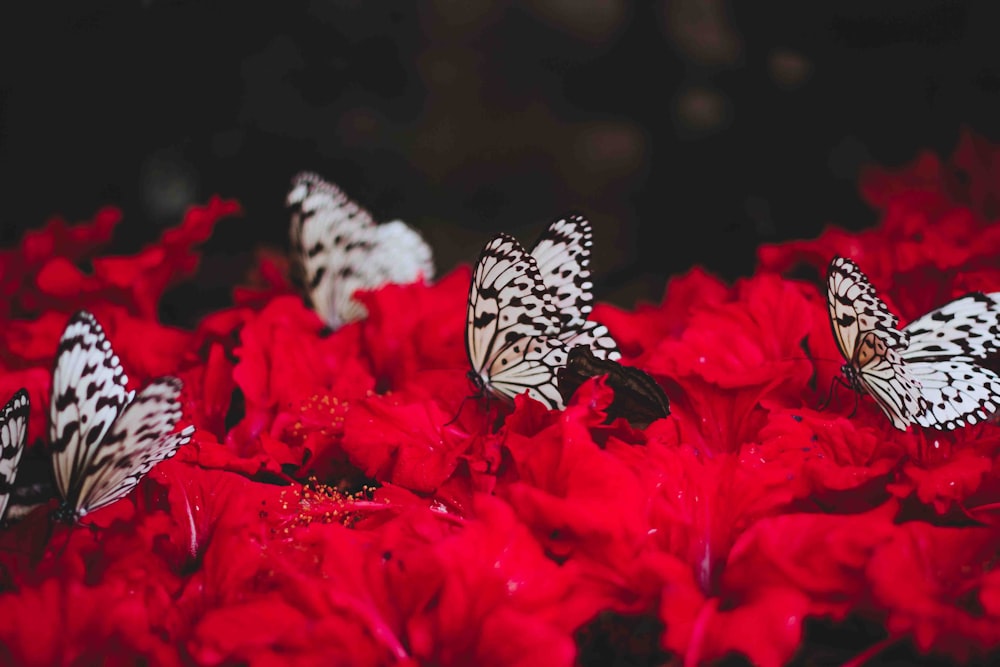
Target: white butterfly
527,310
337,249
13,434
103,438
926,373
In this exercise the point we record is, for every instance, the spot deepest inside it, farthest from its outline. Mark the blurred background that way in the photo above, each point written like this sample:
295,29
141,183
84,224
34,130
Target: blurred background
689,131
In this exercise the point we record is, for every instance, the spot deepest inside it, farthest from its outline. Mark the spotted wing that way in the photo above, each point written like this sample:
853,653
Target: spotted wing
140,438
945,345
968,327
955,393
13,434
88,393
338,249
856,309
594,336
881,372
508,317
563,257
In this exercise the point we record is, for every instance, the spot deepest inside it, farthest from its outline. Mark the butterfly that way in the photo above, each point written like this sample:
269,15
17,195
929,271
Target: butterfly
637,396
526,310
927,372
337,248
13,434
103,438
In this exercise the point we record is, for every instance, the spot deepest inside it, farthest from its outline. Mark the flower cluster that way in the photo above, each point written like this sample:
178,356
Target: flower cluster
332,509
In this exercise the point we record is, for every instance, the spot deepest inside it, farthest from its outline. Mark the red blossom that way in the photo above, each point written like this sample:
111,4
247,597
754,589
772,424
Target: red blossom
57,241
734,355
943,470
939,588
45,276
415,327
826,454
639,331
406,443
781,571
342,501
481,594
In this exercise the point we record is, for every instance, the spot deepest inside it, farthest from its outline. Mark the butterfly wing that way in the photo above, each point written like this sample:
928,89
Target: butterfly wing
637,396
882,373
321,214
317,205
509,313
944,346
596,337
139,439
856,309
530,365
563,257
88,393
395,253
13,434
968,327
955,393
337,249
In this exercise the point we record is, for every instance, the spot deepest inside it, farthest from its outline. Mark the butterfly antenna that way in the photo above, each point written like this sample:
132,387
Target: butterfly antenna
65,546
829,396
457,414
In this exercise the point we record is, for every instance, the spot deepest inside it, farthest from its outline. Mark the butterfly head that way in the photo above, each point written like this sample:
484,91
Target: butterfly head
67,514
477,382
851,375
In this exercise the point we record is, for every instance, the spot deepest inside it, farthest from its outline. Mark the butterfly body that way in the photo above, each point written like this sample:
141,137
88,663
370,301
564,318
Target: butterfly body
337,249
927,373
526,310
66,513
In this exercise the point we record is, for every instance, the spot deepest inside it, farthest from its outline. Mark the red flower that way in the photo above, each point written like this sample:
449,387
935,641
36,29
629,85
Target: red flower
484,594
580,500
734,355
394,439
415,327
57,242
434,530
825,453
639,331
781,571
46,277
939,588
945,469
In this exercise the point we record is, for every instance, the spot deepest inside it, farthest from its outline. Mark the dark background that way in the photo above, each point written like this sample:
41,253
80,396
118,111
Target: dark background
689,131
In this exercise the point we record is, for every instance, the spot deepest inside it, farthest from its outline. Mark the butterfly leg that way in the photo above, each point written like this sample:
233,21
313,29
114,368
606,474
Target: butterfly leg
825,403
857,402
95,531
53,525
457,414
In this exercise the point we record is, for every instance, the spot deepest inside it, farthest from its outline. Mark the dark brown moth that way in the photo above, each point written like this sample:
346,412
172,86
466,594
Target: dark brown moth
638,397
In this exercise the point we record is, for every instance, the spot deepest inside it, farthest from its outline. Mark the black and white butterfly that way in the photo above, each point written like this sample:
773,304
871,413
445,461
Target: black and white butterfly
926,373
527,310
337,248
13,435
103,438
